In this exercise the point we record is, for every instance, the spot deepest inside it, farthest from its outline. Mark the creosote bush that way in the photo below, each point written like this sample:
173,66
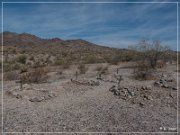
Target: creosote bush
38,75
12,75
143,72
21,59
82,68
148,55
89,59
101,68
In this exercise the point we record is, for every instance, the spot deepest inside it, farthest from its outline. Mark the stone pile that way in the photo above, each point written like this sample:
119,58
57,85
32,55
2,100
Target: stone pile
30,93
133,94
86,82
112,79
165,83
42,98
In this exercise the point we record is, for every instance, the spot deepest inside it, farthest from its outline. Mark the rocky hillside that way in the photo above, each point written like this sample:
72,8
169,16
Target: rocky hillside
56,51
28,40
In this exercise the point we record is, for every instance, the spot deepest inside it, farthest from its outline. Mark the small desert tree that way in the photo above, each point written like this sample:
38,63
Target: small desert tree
151,52
148,55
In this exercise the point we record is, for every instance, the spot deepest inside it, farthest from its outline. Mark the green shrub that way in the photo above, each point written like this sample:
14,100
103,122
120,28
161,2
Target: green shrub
127,56
15,66
114,60
31,58
23,69
6,67
21,59
64,61
58,62
89,59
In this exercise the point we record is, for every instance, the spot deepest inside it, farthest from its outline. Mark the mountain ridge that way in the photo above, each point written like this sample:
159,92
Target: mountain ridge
12,38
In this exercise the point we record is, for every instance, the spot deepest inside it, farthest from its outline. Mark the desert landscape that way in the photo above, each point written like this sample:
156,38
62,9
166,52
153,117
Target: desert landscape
108,67
53,85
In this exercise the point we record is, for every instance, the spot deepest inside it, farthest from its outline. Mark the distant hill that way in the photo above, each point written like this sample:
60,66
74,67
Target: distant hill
25,39
57,50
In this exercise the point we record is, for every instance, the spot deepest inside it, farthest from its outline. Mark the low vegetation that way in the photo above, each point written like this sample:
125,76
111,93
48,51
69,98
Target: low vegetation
82,68
21,59
38,75
150,56
102,69
147,55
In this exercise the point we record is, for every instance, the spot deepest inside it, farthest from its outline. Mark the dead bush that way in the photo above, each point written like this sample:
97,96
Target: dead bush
31,58
160,64
151,52
59,72
15,66
23,69
143,75
149,56
6,67
143,72
65,66
82,68
114,60
10,76
39,75
101,68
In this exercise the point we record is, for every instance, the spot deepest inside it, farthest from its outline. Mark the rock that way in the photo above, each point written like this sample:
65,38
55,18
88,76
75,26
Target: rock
174,88
148,97
169,80
51,95
161,81
165,86
19,96
131,93
36,99
14,93
157,83
148,87
143,87
9,92
112,89
94,83
26,87
47,97
16,88
141,104
116,93
125,88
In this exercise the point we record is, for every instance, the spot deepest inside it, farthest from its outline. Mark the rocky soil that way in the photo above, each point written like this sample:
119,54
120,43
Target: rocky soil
93,104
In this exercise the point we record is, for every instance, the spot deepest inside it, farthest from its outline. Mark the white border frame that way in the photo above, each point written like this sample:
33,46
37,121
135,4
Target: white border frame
177,3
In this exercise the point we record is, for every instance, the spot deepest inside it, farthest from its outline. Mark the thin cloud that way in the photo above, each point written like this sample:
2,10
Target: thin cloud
116,25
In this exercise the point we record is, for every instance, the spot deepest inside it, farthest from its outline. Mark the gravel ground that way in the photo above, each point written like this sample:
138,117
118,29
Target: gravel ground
84,108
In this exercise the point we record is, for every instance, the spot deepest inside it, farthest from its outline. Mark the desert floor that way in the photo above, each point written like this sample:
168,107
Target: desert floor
87,105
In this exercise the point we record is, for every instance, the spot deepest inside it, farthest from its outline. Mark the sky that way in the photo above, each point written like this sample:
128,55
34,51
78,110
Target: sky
110,24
